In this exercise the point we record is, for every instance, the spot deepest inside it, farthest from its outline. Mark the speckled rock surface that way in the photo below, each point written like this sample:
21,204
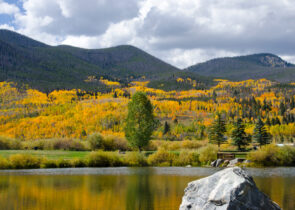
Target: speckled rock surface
231,188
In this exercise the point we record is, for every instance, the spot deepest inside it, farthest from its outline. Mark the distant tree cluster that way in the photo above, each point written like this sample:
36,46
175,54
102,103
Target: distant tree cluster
238,135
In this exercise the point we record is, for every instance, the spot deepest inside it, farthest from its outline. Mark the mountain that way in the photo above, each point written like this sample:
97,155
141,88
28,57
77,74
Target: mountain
44,67
263,65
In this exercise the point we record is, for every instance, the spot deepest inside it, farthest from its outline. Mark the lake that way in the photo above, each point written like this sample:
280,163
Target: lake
155,188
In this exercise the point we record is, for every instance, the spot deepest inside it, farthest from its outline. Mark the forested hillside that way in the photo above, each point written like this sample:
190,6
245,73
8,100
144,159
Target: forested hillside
46,68
254,66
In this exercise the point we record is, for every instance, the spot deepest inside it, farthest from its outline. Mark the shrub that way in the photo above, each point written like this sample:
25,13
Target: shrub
155,145
95,141
272,155
173,145
63,163
19,161
35,144
104,159
68,144
4,163
187,158
56,144
135,159
9,143
208,154
108,143
286,156
193,144
120,143
161,158
78,163
49,163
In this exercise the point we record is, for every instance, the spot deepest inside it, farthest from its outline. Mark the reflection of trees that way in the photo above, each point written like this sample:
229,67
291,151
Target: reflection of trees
3,183
97,184
139,194
145,190
279,189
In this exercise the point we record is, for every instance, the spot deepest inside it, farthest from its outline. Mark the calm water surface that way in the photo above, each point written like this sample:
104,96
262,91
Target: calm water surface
122,188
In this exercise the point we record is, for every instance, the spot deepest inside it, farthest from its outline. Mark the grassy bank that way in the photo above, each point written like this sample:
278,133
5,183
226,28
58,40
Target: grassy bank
269,155
17,159
48,154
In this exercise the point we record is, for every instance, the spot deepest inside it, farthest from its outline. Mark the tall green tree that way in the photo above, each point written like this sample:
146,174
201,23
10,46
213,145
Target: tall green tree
217,130
239,136
140,121
260,134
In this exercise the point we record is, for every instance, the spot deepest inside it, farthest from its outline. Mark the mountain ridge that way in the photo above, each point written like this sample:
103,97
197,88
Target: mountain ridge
26,61
45,67
253,66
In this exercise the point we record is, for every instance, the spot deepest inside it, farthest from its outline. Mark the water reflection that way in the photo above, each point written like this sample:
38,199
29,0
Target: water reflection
119,189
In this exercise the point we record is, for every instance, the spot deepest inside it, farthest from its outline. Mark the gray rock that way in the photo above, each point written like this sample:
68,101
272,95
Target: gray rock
226,162
233,162
213,163
229,189
219,162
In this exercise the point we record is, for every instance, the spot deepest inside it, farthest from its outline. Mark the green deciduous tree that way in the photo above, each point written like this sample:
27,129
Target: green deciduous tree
217,130
140,121
261,135
239,136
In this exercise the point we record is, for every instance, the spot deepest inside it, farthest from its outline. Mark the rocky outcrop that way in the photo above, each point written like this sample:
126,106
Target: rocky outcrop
229,189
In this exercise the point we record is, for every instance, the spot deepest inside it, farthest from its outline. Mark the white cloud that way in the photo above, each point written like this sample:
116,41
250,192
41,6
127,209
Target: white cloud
8,9
6,26
289,58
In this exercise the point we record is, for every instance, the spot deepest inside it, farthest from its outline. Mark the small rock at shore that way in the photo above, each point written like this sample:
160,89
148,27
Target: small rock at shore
235,161
226,162
229,189
219,162
213,163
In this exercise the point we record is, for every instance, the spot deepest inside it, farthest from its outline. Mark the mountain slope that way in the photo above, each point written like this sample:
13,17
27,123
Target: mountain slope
254,66
45,67
124,61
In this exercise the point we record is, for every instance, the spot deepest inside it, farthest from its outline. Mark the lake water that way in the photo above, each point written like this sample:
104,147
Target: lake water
122,188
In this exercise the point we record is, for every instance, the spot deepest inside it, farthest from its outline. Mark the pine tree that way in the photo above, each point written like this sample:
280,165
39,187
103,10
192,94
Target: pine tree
239,136
166,128
292,103
282,108
217,130
140,121
214,96
261,135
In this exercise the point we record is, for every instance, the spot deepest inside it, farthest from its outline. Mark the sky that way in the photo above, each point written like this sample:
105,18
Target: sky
180,32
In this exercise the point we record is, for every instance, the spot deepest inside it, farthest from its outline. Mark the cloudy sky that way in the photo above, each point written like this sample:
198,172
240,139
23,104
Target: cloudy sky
181,32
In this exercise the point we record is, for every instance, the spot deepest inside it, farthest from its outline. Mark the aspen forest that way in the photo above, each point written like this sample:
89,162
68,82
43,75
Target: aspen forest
28,114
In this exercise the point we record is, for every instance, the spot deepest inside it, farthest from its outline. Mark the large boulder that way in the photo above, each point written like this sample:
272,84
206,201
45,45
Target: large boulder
231,189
